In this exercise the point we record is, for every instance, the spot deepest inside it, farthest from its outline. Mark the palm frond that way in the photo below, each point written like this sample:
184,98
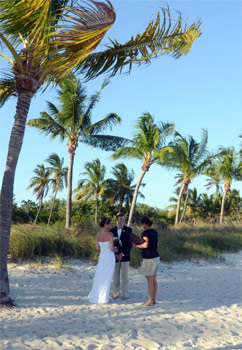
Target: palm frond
49,126
102,125
105,142
82,30
128,152
157,40
93,101
7,88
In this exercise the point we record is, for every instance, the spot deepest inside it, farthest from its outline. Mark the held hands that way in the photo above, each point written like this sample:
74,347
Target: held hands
119,257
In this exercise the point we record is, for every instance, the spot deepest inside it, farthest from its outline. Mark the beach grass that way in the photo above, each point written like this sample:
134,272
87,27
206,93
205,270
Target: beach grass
184,242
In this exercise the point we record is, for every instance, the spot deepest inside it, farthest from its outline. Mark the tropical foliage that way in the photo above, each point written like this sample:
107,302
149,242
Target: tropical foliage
147,145
40,183
93,185
190,158
72,121
46,40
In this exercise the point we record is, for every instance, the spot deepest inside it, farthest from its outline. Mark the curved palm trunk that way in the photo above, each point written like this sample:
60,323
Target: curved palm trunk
37,215
6,200
52,207
96,210
179,203
226,188
135,197
184,209
69,190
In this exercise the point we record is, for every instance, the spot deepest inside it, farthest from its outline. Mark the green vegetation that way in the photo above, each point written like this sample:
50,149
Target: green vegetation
177,243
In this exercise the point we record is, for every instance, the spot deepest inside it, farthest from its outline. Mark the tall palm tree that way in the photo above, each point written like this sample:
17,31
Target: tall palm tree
229,168
46,40
190,158
147,145
93,185
72,121
120,190
59,177
40,183
214,176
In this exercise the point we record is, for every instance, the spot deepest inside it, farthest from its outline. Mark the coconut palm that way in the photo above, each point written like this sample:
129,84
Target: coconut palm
120,190
147,145
40,183
193,204
190,158
93,185
72,121
229,168
214,177
46,40
59,177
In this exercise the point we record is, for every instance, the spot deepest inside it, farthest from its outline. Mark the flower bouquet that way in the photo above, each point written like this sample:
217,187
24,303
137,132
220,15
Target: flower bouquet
117,242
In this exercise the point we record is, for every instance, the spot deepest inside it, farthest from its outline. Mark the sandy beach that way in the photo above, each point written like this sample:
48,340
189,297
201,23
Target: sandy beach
199,308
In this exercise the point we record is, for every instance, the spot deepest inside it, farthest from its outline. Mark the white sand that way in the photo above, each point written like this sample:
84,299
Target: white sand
199,308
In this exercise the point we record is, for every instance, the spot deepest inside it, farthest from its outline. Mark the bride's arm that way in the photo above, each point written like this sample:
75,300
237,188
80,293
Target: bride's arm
111,246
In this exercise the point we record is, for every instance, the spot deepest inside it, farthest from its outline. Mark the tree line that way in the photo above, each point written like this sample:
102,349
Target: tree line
152,143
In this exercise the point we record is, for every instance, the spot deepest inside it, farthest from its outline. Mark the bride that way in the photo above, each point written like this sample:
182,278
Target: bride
99,293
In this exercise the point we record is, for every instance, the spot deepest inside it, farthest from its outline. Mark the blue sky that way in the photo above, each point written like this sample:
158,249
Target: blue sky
199,90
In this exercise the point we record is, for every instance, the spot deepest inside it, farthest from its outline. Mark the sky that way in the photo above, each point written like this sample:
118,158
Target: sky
201,90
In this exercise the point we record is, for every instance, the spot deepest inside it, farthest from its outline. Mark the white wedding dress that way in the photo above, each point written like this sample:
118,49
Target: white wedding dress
103,276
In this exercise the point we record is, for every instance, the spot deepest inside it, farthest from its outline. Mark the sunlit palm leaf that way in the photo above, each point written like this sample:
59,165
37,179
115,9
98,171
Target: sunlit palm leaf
157,40
7,89
49,126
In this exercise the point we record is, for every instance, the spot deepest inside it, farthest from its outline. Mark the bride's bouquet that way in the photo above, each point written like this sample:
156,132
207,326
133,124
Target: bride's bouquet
117,242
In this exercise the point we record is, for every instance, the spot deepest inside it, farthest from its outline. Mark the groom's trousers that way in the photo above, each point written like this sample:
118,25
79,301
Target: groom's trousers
121,269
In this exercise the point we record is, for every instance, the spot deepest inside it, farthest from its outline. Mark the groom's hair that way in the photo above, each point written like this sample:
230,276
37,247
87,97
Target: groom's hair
119,214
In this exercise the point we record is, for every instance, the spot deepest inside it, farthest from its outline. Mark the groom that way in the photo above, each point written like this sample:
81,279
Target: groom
122,232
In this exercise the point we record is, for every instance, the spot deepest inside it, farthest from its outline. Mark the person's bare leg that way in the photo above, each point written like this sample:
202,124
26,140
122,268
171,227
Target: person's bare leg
155,288
150,291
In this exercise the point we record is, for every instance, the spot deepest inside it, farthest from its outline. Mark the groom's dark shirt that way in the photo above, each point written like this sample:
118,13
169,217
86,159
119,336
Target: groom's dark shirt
125,239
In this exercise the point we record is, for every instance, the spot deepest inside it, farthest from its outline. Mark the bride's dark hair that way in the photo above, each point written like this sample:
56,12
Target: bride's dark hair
105,221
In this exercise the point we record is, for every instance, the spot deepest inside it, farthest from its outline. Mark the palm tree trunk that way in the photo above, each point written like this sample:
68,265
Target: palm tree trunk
6,200
179,203
222,205
135,196
69,190
184,209
52,207
37,215
96,204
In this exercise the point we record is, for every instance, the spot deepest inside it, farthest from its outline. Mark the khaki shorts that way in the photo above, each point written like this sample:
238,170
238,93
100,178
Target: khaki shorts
149,266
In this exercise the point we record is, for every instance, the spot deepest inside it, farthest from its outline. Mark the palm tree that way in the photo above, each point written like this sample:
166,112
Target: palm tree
229,168
214,177
40,183
190,158
93,185
120,190
193,204
72,121
147,145
59,177
46,40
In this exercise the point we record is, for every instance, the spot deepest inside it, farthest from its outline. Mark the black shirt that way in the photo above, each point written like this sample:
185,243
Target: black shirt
150,252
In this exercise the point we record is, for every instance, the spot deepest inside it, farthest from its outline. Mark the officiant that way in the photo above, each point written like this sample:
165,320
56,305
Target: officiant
121,271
